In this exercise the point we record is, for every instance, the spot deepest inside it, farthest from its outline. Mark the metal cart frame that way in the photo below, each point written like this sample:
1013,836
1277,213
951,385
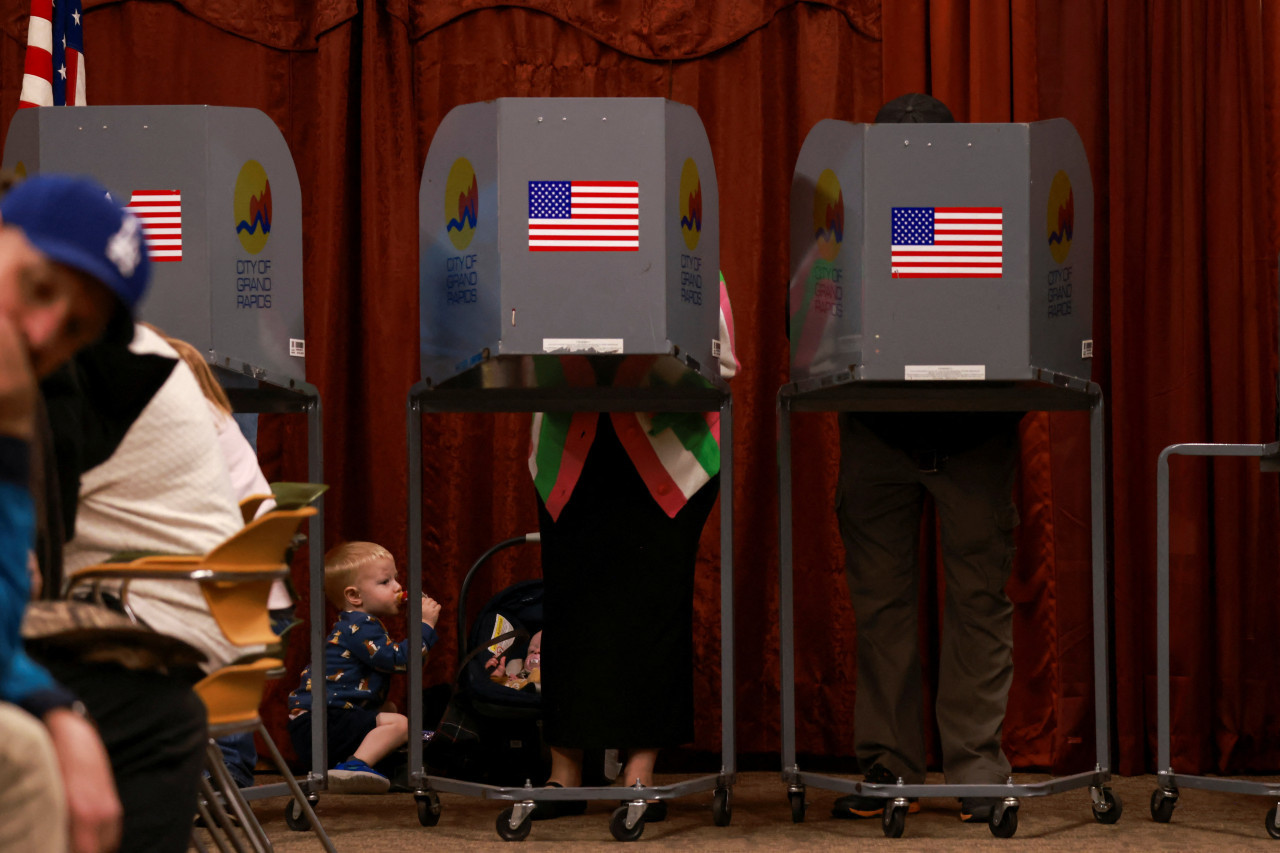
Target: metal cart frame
1050,392
1165,797
628,821
301,398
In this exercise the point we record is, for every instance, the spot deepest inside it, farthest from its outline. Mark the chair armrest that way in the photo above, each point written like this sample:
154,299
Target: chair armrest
297,495
249,506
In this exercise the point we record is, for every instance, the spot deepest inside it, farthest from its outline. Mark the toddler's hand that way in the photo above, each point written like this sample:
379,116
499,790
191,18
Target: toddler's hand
499,663
430,610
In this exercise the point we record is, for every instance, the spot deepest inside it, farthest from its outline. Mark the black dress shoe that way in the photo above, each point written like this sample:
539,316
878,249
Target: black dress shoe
551,809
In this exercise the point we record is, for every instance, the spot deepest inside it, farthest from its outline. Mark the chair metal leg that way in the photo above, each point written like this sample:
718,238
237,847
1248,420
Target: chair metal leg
253,831
253,827
216,819
205,821
298,794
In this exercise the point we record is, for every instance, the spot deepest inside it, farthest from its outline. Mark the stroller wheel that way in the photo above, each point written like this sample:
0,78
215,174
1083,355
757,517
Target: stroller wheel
295,818
512,833
618,826
428,808
722,807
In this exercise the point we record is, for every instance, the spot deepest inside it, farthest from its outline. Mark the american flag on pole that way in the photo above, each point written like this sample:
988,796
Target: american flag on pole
947,242
53,72
584,216
160,212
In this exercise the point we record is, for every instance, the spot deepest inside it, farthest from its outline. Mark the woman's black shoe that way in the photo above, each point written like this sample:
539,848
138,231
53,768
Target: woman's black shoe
551,809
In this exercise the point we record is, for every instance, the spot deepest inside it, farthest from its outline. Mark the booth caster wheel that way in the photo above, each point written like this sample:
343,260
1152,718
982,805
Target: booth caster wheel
295,817
1162,803
895,818
428,808
1007,823
618,826
1109,810
797,806
1272,829
722,807
509,833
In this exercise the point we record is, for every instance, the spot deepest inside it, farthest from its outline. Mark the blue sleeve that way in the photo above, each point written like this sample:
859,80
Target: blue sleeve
20,677
372,647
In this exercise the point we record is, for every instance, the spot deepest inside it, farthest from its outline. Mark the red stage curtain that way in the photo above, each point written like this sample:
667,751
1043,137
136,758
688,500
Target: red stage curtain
1169,100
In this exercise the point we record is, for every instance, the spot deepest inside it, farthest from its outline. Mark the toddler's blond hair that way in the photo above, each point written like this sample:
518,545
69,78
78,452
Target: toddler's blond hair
343,564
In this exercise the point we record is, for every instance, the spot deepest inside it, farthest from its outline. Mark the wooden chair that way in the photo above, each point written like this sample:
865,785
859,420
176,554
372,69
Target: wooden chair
235,579
232,696
286,496
249,506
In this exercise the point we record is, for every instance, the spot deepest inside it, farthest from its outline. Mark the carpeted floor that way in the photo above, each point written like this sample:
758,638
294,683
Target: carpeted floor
761,820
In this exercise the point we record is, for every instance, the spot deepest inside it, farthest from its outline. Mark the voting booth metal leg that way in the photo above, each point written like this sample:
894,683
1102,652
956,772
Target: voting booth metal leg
1165,797
304,399
1106,806
786,609
417,779
728,747
628,821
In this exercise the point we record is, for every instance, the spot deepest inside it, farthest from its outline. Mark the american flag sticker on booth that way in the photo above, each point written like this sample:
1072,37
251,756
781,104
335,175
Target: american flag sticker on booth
160,212
947,242
584,216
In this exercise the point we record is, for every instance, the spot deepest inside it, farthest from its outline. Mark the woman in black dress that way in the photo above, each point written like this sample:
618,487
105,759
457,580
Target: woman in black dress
622,500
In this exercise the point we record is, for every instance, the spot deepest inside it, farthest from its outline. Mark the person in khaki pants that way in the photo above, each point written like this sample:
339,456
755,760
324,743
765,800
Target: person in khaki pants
72,266
966,461
34,816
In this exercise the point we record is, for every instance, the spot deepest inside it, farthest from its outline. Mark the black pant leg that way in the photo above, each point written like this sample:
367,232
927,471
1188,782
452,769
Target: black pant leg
154,729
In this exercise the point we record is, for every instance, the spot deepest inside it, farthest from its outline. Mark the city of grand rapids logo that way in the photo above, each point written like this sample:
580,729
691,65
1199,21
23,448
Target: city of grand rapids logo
828,215
253,207
1061,216
690,204
461,204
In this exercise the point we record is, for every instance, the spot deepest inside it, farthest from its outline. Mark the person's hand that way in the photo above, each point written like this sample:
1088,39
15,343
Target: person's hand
498,663
33,573
92,804
430,610
17,384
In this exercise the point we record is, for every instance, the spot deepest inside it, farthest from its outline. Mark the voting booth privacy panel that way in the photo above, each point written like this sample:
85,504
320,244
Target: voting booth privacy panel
554,226
217,194
943,267
569,252
942,251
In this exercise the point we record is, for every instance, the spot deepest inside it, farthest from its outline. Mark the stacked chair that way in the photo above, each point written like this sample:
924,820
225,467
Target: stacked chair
235,578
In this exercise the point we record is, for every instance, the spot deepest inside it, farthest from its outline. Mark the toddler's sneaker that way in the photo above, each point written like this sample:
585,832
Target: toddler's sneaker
353,776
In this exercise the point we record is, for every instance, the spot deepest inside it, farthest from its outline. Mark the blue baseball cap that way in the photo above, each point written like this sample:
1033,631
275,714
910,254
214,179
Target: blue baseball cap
74,221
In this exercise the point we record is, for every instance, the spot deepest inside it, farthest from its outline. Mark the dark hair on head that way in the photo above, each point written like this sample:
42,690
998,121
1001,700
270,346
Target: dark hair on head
914,108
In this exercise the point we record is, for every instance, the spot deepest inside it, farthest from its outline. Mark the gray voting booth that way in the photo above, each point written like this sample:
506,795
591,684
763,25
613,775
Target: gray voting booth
1165,798
942,267
558,234
217,194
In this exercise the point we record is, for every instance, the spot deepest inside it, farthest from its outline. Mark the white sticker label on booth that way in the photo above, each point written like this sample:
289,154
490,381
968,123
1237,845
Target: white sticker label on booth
297,348
584,345
946,372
